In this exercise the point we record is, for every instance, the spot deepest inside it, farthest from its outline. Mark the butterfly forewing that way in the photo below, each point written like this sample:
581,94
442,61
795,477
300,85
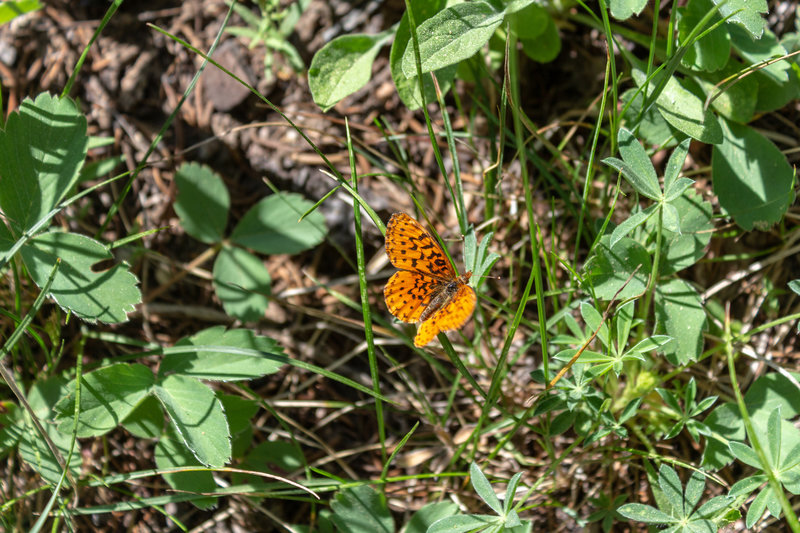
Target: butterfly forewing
410,247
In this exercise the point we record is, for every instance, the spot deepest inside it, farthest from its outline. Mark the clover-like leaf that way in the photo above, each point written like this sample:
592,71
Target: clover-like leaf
106,296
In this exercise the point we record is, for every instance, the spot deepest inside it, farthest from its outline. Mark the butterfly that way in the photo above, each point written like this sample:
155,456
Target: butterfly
426,288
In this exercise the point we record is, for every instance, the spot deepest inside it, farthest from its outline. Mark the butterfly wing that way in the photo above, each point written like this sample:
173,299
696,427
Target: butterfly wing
451,316
410,247
407,294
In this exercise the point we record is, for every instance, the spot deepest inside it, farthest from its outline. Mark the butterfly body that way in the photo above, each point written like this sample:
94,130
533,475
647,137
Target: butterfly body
426,288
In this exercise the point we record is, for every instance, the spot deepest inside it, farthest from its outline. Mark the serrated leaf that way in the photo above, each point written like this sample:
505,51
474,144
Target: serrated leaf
745,12
751,177
683,110
681,316
106,296
242,283
146,421
272,226
41,152
452,35
171,453
343,66
206,358
760,50
361,510
108,396
32,447
197,415
625,9
203,202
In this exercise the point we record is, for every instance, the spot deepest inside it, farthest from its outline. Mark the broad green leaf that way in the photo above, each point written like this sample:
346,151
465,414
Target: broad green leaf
108,396
609,268
773,95
7,241
107,295
738,101
725,422
343,66
670,219
146,421
203,202
408,88
430,513
273,226
683,110
242,283
204,356
197,415
529,22
171,453
452,35
711,52
759,50
637,167
239,412
360,509
546,46
31,445
682,250
41,152
745,12
650,126
680,315
624,9
11,9
751,177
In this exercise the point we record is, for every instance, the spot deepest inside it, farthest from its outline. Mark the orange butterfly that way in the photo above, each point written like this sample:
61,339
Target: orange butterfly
426,288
